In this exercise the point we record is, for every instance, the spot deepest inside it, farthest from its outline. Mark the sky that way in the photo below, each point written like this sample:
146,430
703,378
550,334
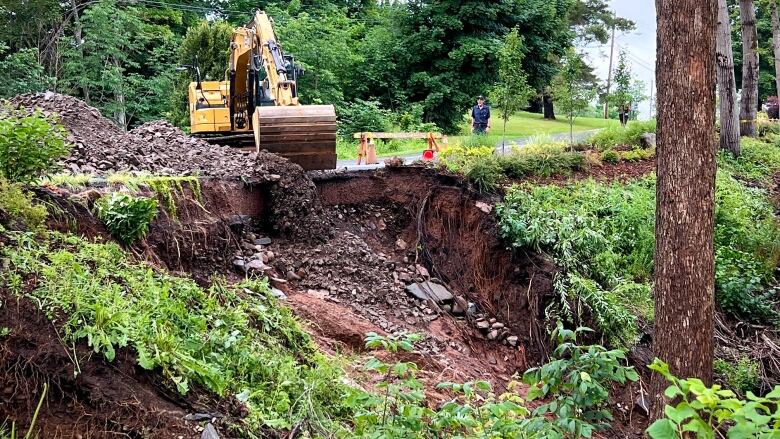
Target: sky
640,45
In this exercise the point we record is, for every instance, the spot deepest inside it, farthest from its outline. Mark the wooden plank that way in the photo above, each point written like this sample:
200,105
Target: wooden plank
387,135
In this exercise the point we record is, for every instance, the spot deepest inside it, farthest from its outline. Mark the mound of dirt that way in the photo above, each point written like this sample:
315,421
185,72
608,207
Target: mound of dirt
100,148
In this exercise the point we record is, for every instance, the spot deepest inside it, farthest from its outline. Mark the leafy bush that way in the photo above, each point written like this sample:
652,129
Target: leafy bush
616,135
232,340
610,156
541,159
637,154
758,160
126,217
579,378
456,158
742,376
30,145
602,237
703,411
22,72
478,141
17,209
484,173
576,383
359,116
412,120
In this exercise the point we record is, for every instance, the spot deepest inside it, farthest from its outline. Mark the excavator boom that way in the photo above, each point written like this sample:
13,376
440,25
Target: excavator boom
259,105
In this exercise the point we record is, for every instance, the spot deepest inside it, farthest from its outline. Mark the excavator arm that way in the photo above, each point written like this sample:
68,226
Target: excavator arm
260,102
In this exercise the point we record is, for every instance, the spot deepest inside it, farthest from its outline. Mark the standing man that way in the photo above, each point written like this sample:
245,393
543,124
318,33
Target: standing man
480,117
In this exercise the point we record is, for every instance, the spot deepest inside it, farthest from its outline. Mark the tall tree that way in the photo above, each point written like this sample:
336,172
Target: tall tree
571,89
450,49
749,99
512,91
685,193
776,44
625,89
727,85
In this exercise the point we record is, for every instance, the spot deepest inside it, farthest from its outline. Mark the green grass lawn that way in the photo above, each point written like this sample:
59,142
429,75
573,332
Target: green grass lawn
520,125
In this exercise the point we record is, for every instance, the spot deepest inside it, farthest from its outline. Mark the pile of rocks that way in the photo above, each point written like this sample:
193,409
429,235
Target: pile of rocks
495,330
100,148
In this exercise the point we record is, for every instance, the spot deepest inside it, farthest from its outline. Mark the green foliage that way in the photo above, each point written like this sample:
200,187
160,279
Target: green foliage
704,411
512,92
616,135
206,45
128,78
628,90
577,383
31,144
636,155
602,237
741,376
543,160
21,72
758,160
126,217
457,158
17,208
610,156
360,116
571,90
412,120
484,173
231,340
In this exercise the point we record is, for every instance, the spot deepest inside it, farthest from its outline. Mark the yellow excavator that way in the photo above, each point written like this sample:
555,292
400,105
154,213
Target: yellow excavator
256,107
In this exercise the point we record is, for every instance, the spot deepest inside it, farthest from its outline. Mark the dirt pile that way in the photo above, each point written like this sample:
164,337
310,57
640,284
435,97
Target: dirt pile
100,148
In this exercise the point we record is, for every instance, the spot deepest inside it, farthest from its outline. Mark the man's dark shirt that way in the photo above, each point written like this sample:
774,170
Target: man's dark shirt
480,115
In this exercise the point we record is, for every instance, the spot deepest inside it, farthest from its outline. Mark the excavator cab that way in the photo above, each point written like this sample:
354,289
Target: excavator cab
257,105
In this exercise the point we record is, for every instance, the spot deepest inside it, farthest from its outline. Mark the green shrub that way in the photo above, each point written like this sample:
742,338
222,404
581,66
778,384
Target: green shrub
577,383
412,120
521,163
574,385
455,158
126,217
17,208
616,135
603,238
703,411
484,173
610,156
478,141
30,145
234,341
742,376
360,116
636,154
758,161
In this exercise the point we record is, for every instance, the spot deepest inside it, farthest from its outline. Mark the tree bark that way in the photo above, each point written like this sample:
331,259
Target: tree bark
78,35
685,193
749,104
776,45
727,85
547,103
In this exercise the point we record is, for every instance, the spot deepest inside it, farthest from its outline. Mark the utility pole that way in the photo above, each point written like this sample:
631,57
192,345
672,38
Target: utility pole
609,74
652,88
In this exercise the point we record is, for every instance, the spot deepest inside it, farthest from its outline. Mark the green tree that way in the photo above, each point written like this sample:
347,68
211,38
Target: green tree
593,20
21,72
124,61
512,92
624,83
449,49
207,46
571,90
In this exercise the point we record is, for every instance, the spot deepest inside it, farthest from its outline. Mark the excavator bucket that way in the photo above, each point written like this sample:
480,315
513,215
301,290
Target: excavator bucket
305,134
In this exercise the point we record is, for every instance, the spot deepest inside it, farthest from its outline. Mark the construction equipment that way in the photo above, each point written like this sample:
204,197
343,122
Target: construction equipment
256,106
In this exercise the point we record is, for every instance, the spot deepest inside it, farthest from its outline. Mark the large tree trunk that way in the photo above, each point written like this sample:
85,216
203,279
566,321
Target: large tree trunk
684,254
749,104
547,101
727,86
776,45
